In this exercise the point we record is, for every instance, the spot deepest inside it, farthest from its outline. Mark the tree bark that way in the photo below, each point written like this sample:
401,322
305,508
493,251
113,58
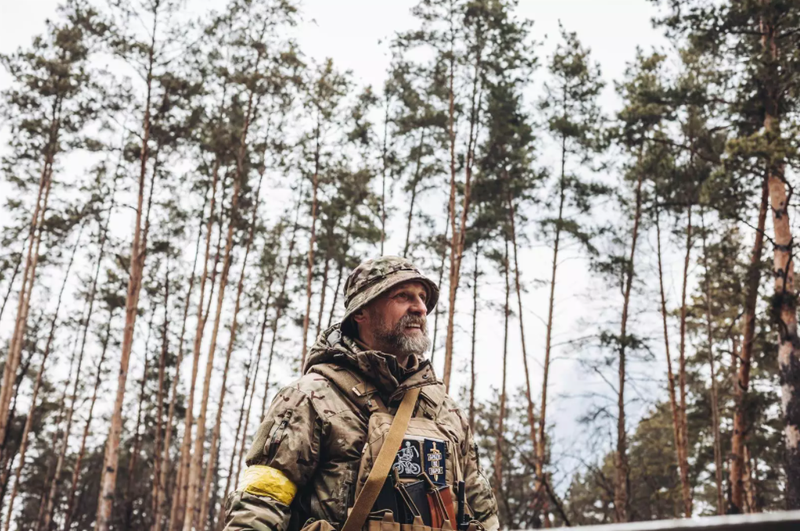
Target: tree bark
740,427
108,479
621,500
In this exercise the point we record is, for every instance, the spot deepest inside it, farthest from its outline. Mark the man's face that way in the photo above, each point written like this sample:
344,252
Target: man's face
396,321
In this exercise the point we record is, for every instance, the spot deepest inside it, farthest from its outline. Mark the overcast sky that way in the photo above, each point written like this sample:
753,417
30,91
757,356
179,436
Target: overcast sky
350,31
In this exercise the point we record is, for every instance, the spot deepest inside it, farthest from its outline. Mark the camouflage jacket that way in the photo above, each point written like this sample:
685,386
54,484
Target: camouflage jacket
304,461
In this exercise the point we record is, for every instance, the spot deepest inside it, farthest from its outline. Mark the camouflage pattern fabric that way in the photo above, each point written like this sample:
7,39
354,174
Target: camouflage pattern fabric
313,435
373,277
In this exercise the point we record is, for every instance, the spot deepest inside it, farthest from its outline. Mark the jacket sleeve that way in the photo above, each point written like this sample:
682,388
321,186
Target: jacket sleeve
282,459
480,496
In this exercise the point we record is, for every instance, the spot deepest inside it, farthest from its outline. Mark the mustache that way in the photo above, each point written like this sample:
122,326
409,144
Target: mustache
410,319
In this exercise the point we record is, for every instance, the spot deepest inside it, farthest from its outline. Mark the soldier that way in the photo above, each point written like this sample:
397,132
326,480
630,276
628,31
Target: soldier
314,451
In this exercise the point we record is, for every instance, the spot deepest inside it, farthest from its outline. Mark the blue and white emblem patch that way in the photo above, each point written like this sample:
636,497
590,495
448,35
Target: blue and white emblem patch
422,454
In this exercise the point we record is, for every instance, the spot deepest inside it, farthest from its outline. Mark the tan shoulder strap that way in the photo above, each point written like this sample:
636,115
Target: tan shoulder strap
354,388
380,470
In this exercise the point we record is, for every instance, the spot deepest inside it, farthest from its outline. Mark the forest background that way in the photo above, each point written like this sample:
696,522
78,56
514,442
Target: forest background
248,174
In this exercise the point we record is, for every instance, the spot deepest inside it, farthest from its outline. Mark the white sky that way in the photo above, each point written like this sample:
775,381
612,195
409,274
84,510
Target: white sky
349,31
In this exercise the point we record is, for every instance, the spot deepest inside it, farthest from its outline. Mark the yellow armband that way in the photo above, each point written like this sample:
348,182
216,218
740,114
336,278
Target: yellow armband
261,480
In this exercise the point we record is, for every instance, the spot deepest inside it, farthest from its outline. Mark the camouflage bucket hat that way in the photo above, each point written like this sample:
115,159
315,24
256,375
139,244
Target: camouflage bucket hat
373,277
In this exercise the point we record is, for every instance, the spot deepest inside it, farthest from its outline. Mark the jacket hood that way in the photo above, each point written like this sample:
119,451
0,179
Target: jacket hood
380,369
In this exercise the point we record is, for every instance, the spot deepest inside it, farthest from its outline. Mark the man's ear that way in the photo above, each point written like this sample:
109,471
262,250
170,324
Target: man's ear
359,316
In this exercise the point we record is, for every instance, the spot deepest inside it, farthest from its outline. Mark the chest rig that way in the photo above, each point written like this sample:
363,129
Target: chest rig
424,490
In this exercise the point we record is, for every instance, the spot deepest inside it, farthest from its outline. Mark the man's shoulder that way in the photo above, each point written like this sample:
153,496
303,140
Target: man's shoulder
443,406
318,392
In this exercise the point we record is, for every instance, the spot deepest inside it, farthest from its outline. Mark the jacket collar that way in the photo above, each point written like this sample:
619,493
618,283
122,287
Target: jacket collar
382,370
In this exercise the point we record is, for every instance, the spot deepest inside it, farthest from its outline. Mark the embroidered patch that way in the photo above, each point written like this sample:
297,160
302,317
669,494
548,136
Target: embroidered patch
418,455
434,456
408,461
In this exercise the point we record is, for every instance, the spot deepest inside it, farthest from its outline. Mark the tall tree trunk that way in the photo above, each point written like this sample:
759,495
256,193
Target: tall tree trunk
686,489
23,306
69,515
11,283
340,274
322,289
191,517
76,468
498,451
311,242
472,373
29,273
56,478
541,455
784,303
212,462
280,301
460,233
108,479
540,498
740,427
165,465
135,447
84,336
177,510
414,184
249,394
436,311
56,432
248,376
712,365
673,401
23,445
192,509
162,362
383,178
621,499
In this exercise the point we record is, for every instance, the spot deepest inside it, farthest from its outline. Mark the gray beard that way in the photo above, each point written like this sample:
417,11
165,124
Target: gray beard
397,342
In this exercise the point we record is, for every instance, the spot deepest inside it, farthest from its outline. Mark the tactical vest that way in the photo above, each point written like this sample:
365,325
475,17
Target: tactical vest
427,468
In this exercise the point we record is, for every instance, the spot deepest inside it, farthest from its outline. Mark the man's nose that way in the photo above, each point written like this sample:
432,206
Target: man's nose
418,306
